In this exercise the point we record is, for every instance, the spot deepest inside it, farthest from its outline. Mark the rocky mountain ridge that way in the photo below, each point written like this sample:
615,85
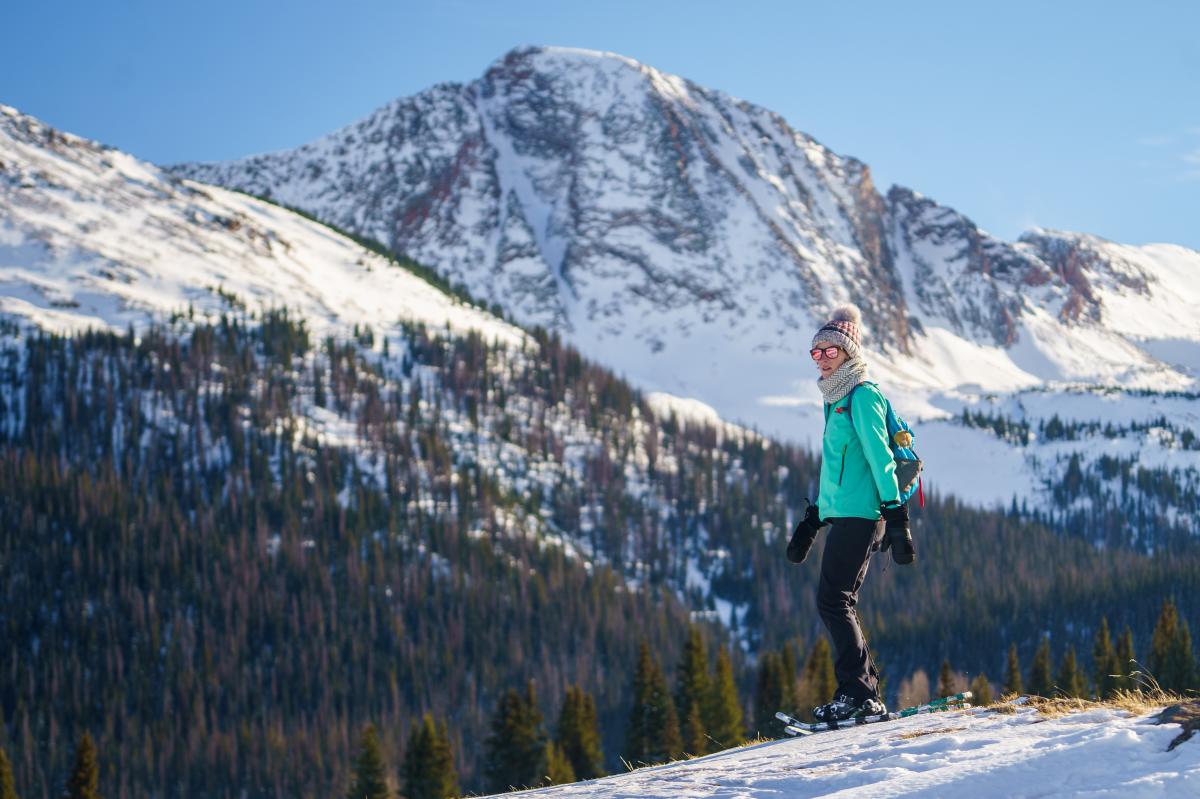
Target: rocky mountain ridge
657,221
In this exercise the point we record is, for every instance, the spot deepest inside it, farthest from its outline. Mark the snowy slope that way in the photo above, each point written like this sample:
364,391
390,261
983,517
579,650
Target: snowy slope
91,236
976,753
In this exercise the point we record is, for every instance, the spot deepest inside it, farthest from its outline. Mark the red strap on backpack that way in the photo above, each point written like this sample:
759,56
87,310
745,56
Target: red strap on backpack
920,493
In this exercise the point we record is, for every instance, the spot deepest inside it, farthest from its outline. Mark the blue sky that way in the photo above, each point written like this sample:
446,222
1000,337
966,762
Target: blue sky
1071,115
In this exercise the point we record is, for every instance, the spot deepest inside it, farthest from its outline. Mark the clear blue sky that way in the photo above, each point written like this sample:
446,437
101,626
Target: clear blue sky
1073,115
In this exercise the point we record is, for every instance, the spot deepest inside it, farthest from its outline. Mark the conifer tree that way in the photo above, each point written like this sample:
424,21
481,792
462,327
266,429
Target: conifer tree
1105,667
1160,643
788,661
724,717
429,762
695,739
880,675
981,690
1012,672
558,767
1070,678
515,749
768,695
819,682
84,782
579,734
946,682
1171,661
370,780
653,732
1126,659
691,688
1181,661
8,788
1041,682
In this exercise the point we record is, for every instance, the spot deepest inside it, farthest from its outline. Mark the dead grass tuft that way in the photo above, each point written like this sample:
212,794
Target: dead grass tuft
1055,706
1143,701
919,733
1136,702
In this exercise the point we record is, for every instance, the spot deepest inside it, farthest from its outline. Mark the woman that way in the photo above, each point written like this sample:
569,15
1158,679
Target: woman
858,486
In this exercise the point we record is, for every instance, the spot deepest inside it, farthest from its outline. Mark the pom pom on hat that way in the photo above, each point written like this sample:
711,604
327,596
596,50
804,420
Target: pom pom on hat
844,329
847,313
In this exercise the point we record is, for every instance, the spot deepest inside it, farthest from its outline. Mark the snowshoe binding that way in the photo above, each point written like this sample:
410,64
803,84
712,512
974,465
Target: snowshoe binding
845,707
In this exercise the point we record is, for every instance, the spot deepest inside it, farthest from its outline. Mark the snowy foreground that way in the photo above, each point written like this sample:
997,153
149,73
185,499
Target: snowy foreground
975,753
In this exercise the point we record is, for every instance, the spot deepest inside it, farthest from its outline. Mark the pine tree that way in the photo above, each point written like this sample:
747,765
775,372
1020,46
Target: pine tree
579,734
691,688
1160,642
1012,672
818,683
880,675
653,733
1126,659
1181,661
1105,667
946,683
8,788
1070,678
768,695
695,739
84,782
558,767
981,690
788,662
724,716
429,762
370,780
1171,661
1041,682
516,747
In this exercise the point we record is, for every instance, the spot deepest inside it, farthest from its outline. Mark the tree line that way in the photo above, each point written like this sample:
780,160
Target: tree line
703,713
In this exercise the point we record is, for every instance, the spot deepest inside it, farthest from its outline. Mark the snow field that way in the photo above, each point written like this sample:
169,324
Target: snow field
977,753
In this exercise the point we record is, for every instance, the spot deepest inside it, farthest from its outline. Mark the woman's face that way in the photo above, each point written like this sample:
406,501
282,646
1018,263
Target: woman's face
827,366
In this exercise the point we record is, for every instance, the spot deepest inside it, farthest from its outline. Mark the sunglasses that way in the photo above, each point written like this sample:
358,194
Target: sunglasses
828,352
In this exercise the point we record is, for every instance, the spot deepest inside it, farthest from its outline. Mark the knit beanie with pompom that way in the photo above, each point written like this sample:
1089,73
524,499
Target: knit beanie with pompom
844,329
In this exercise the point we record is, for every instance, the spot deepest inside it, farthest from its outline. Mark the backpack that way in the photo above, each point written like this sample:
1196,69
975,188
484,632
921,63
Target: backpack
900,438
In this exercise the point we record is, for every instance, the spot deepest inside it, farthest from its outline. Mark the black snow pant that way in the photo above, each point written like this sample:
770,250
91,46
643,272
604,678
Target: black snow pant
848,548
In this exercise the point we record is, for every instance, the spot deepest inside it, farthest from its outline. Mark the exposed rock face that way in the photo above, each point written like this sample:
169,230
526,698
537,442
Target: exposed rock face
957,274
583,189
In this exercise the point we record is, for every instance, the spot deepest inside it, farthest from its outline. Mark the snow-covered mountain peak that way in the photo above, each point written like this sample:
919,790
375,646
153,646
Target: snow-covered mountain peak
591,193
654,221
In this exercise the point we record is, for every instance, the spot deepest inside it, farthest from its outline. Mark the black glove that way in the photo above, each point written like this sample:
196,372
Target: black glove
806,532
897,535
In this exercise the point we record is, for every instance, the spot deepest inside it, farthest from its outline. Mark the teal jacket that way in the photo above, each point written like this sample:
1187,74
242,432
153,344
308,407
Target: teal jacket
858,472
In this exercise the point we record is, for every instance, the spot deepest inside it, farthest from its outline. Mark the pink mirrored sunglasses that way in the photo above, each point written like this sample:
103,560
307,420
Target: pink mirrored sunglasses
828,352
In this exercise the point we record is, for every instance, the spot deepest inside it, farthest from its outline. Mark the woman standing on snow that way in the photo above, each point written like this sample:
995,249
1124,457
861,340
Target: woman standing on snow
858,486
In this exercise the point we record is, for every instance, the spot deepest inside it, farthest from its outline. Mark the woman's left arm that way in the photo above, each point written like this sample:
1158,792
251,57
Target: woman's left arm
870,423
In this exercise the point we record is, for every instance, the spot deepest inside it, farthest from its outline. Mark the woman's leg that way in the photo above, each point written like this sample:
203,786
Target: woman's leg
843,567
